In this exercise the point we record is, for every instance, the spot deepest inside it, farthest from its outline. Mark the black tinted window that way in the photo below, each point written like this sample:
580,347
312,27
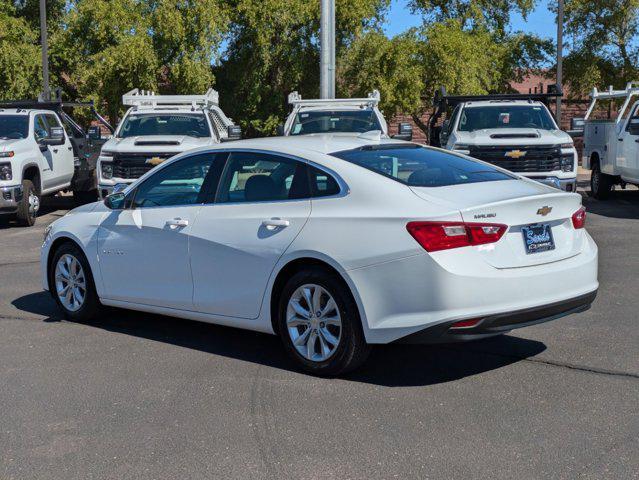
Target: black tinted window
322,184
260,177
181,183
422,167
335,121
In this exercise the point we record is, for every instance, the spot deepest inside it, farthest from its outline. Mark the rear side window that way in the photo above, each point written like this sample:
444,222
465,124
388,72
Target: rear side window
422,167
322,184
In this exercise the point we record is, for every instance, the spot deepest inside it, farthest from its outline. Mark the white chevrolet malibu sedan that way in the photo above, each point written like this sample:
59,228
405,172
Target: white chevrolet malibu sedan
333,243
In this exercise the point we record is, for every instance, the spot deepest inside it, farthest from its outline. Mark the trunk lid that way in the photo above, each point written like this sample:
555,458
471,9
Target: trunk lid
517,204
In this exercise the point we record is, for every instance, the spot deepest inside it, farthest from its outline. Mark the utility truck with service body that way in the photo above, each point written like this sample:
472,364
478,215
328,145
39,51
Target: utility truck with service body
43,151
611,147
513,131
339,116
155,128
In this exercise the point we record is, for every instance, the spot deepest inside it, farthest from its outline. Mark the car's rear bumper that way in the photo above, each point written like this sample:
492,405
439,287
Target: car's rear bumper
504,322
9,199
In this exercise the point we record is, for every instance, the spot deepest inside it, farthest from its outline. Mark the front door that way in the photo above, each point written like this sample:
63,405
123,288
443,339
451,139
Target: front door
58,166
628,161
261,205
144,249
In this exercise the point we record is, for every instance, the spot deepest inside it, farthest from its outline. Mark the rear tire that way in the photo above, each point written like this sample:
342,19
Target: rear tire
600,183
324,338
71,284
29,205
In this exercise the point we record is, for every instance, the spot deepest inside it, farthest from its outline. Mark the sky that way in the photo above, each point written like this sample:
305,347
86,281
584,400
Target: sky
541,21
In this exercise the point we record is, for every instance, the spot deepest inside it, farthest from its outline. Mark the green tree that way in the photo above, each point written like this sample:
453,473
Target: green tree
273,49
20,62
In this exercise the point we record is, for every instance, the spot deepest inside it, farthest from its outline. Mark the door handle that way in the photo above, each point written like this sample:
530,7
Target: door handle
177,223
620,139
274,223
70,148
55,150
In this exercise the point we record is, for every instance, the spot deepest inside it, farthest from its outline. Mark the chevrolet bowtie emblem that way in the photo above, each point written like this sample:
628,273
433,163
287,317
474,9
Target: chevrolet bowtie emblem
154,161
516,154
543,211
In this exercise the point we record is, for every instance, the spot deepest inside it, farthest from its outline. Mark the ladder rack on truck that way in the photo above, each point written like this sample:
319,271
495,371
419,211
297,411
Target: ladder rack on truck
295,99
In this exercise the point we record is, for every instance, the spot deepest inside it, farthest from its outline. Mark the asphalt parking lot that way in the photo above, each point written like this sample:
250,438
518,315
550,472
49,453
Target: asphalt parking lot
140,396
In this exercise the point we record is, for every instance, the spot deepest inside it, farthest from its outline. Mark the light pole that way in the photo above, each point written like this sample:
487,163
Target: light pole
560,48
46,92
327,49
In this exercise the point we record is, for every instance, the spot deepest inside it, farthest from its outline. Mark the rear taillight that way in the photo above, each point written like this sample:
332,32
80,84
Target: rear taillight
579,218
462,324
434,236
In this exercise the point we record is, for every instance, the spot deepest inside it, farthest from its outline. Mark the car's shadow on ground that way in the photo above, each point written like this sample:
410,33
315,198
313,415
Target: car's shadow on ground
389,365
620,204
48,205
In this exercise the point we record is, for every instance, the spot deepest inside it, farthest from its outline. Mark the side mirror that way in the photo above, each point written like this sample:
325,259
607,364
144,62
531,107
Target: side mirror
115,201
577,124
280,130
404,132
94,133
234,132
56,137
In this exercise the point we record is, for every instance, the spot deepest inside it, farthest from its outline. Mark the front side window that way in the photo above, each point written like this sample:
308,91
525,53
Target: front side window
185,182
260,177
422,167
633,122
336,121
14,126
40,128
505,116
188,124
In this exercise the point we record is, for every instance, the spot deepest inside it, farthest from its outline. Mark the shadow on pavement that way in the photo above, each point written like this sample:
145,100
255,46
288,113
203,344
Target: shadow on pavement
621,204
49,205
388,365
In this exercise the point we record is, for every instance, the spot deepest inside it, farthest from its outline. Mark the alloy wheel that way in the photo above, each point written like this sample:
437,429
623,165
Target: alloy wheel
70,282
313,322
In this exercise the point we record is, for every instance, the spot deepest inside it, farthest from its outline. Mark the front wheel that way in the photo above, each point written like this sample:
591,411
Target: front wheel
600,183
29,205
319,324
71,284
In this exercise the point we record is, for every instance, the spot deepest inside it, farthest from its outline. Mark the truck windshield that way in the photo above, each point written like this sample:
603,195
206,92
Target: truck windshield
344,121
139,124
422,167
14,126
505,116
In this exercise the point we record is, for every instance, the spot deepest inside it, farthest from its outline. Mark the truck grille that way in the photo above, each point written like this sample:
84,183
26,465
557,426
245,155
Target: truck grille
134,165
537,158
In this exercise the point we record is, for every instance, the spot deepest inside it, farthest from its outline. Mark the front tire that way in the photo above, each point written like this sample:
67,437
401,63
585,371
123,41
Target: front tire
319,324
29,205
600,183
71,284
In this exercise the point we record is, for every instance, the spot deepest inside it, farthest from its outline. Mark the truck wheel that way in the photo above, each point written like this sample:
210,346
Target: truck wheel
29,205
82,198
600,183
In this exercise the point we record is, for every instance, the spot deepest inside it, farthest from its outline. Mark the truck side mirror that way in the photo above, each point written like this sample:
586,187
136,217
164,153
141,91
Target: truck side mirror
404,132
577,124
55,137
234,132
280,130
94,133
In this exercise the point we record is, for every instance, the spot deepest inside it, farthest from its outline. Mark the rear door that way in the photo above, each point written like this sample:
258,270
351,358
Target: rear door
261,205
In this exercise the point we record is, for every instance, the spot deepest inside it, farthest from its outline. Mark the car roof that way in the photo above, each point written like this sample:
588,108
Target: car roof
325,143
15,111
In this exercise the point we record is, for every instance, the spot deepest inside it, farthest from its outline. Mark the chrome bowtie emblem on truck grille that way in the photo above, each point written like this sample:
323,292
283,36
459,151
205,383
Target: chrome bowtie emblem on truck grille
543,211
154,161
516,154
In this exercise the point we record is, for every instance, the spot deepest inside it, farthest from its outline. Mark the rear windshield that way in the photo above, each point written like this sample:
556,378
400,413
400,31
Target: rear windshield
191,124
422,167
336,121
14,126
505,116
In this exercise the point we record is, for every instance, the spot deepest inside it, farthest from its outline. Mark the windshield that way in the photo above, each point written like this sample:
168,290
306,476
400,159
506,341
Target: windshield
505,116
139,124
14,126
422,167
345,121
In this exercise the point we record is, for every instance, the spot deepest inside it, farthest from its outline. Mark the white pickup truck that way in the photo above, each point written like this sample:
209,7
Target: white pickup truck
44,151
157,127
611,147
339,115
513,131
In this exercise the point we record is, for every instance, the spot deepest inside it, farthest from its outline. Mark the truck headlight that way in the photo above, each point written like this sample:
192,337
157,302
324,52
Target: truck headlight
567,163
106,168
462,148
7,154
567,145
5,171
